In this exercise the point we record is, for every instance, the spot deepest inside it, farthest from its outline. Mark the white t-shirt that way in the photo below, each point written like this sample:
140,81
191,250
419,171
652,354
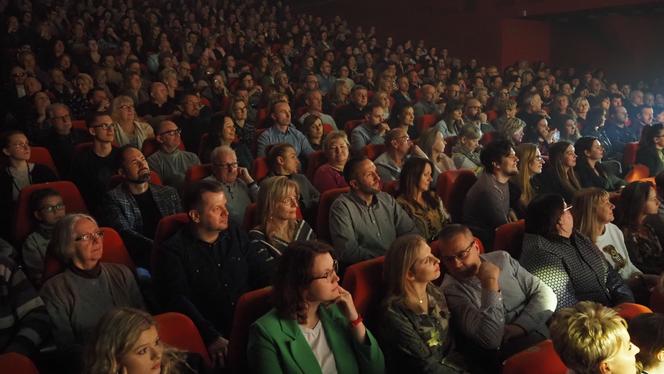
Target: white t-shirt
612,245
318,343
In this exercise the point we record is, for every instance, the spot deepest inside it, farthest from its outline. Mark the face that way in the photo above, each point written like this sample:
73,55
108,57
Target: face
569,157
647,115
652,204
402,144
583,106
509,165
212,215
126,112
228,131
565,223
315,101
408,116
562,102
337,152
18,148
88,247
316,130
517,137
376,116
425,179
169,135
225,167
596,151
51,210
604,210
287,207
536,103
159,92
146,354
135,166
473,108
360,98
192,106
624,361
326,287
282,114
659,139
426,267
543,128
460,256
535,166
289,162
367,178
470,144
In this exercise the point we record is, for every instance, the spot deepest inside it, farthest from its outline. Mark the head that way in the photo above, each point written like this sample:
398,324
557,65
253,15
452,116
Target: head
100,126
78,241
361,175
469,137
168,135
473,108
122,109
47,206
432,143
204,202
336,148
637,200
596,117
278,200
132,165
407,116
282,159
593,339
645,115
312,127
588,148
359,96
191,105
499,158
398,142
592,211
652,136
281,113
83,83
15,146
375,115
647,333
416,176
548,215
158,93
459,251
224,164
408,261
314,101
581,105
513,130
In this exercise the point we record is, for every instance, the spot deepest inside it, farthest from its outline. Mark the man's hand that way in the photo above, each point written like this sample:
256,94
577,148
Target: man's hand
488,275
218,351
244,175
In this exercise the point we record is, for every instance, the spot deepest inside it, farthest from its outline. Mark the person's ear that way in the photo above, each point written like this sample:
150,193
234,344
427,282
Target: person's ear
604,367
159,139
91,131
353,184
37,215
5,151
410,276
280,161
194,216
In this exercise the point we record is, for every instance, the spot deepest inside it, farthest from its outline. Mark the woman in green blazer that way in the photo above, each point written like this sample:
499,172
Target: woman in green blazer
314,327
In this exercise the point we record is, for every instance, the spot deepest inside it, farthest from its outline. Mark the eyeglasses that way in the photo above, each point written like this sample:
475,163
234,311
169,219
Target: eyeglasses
64,118
52,208
105,126
230,165
127,107
290,200
90,236
459,256
171,132
330,274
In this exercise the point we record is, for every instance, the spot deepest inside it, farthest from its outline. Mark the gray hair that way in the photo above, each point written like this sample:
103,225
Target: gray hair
51,109
218,151
62,242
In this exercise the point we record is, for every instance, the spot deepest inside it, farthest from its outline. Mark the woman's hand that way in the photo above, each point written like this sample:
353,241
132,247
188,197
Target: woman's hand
345,303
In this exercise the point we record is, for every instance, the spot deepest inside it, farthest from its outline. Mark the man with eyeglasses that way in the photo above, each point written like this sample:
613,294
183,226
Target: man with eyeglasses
61,138
240,188
169,161
499,307
314,103
398,147
135,207
92,168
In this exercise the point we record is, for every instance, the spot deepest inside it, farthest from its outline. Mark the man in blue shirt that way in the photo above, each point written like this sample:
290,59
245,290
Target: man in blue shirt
283,132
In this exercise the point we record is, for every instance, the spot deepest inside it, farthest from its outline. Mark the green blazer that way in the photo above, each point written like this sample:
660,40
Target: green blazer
277,345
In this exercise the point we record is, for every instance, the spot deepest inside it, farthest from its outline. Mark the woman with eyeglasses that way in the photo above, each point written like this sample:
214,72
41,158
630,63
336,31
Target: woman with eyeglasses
223,132
128,129
278,224
651,148
566,260
524,186
80,295
314,326
416,323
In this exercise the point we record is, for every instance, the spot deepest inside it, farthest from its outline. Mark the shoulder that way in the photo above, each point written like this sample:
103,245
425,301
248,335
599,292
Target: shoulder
163,190
116,269
269,322
190,156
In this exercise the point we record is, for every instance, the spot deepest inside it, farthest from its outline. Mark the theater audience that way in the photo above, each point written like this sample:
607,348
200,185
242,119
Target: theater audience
432,144
591,338
565,259
569,131
128,129
416,325
224,132
370,132
405,120
170,162
365,221
241,188
645,331
79,296
485,315
61,139
466,154
314,326
539,132
559,176
193,121
617,130
283,131
282,160
47,208
312,128
314,106
487,203
330,175
159,108
590,170
452,121
525,185
651,149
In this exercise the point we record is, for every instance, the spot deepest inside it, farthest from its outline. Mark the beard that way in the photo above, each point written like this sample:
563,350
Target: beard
369,190
140,179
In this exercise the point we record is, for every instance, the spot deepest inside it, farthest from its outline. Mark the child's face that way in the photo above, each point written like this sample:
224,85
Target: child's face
51,210
624,361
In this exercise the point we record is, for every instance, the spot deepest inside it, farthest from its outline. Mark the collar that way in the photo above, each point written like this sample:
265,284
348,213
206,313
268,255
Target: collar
93,273
361,201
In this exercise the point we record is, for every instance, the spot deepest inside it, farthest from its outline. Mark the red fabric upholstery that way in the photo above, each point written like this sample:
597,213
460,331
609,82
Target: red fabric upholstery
372,151
638,172
323,217
391,187
154,179
115,252
425,121
79,124
364,281
260,168
316,160
82,147
151,146
41,155
166,227
177,330
509,238
350,125
261,116
629,154
17,363
197,172
631,310
327,128
23,223
250,307
541,359
450,142
487,138
452,186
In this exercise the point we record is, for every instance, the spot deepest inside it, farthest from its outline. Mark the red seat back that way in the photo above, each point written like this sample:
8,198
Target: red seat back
638,172
23,223
117,179
79,124
166,227
350,125
391,187
41,155
509,238
487,138
197,172
450,142
17,363
178,331
629,154
452,186
364,281
323,215
541,358
250,307
372,151
425,121
631,310
260,168
316,159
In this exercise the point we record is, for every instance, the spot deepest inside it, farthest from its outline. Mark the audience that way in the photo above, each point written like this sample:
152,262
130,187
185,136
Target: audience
128,130
433,145
170,162
244,128
398,147
356,109
282,161
312,127
314,106
565,259
223,132
524,185
452,121
559,177
589,168
513,131
651,149
314,326
61,139
330,174
370,132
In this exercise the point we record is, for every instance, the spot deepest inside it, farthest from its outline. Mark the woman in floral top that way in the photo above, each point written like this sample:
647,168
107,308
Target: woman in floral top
416,328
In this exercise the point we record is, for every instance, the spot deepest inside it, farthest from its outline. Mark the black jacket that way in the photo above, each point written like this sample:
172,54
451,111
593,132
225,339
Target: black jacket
650,157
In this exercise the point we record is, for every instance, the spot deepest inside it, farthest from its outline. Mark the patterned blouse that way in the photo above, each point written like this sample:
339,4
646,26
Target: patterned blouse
644,249
428,219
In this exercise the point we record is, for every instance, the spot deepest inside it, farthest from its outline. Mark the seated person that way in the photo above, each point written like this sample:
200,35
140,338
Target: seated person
370,132
47,209
524,185
278,225
356,109
466,154
421,203
241,188
538,132
223,132
244,128
593,214
202,269
565,259
559,176
61,138
135,206
646,331
487,203
651,149
78,297
283,131
128,129
416,323
398,147
194,121
312,128
314,101
591,338
330,175
27,324
432,144
160,107
452,121
405,120
594,127
282,160
314,326
638,201
617,129
365,221
497,304
169,161
512,131
127,339
589,168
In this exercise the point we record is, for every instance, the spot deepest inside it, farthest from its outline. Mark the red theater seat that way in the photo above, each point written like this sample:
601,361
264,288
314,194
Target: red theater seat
425,122
452,186
541,359
166,227
323,215
15,363
250,307
509,238
41,155
629,154
260,168
372,151
364,281
631,310
316,160
151,146
177,330
197,172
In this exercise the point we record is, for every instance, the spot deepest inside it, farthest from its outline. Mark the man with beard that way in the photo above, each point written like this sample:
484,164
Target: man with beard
487,204
135,207
365,221
500,307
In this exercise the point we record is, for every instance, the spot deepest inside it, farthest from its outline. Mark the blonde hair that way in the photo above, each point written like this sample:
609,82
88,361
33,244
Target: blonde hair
115,336
399,261
117,103
332,136
586,335
273,190
526,152
586,203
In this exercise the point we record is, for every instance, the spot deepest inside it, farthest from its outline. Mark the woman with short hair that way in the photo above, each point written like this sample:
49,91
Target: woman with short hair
127,128
466,154
330,175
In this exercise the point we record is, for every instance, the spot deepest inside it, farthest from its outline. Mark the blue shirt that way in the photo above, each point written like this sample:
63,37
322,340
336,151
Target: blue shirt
292,136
